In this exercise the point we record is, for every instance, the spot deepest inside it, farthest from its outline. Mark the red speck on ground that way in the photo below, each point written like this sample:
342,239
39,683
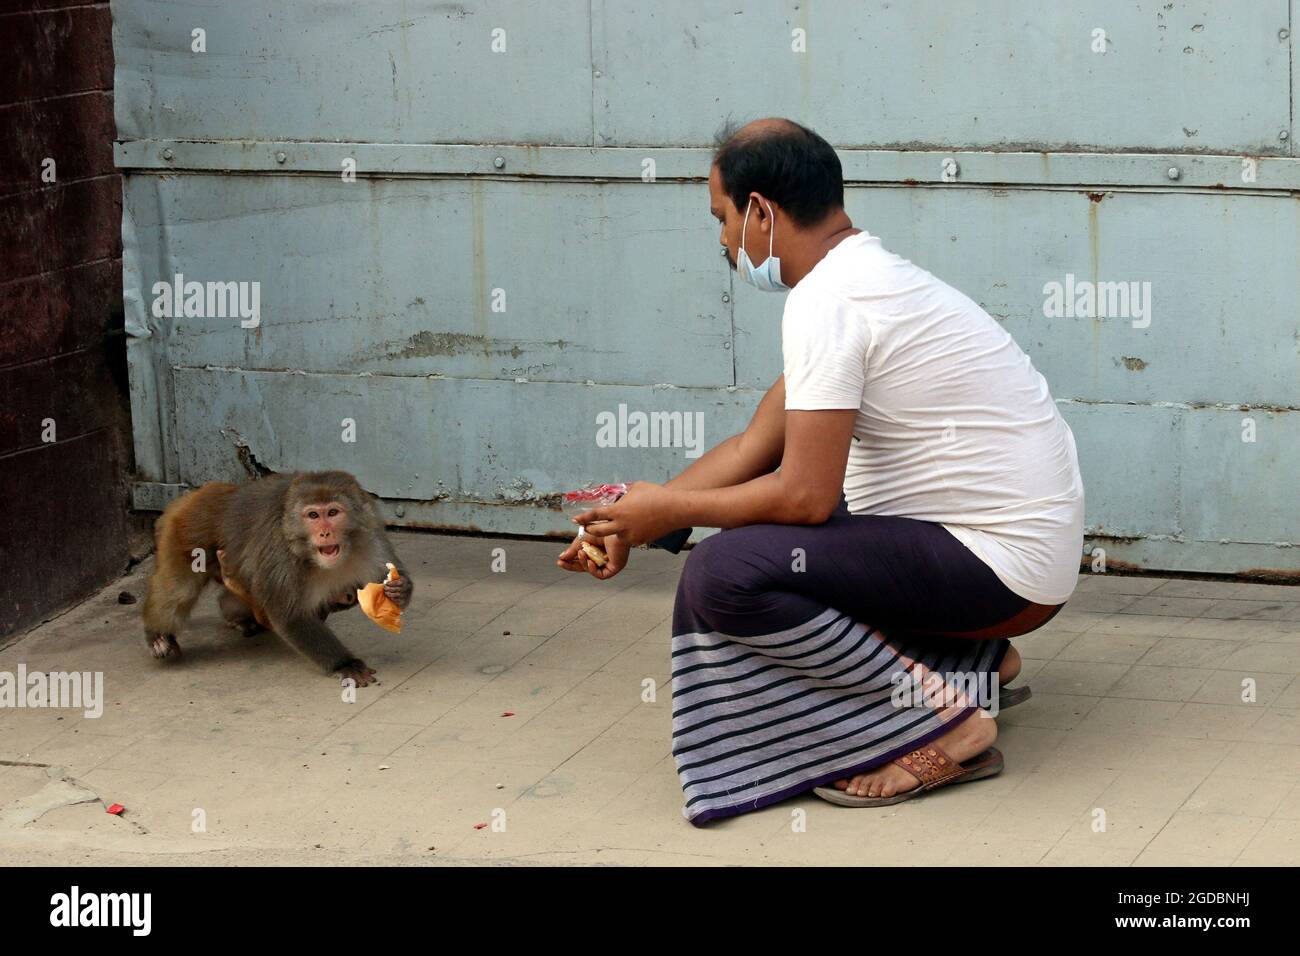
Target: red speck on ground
116,809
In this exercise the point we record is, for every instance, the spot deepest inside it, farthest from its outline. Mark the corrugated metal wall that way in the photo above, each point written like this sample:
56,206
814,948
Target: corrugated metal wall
475,307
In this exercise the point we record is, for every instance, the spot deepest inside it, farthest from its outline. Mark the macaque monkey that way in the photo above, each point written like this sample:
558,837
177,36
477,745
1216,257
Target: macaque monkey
287,550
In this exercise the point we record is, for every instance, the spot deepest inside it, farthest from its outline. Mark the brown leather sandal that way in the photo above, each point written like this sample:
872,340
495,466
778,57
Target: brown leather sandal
932,767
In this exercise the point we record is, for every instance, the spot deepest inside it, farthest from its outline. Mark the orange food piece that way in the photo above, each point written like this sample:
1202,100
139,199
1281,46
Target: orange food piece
378,607
596,553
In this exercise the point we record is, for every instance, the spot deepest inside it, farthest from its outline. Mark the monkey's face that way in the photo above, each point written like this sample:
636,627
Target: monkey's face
326,526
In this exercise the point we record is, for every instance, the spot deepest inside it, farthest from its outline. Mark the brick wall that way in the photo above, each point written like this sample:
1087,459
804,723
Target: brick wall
62,355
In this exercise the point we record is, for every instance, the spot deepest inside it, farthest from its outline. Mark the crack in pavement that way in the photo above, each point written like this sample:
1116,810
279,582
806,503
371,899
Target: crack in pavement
62,790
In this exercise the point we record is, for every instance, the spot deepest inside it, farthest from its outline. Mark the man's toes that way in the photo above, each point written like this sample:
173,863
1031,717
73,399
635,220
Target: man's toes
841,785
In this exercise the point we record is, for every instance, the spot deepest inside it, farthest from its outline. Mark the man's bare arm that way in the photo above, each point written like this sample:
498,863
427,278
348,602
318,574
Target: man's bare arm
805,490
754,452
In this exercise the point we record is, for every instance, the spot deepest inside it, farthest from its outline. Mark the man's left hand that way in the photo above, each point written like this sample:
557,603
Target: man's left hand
642,515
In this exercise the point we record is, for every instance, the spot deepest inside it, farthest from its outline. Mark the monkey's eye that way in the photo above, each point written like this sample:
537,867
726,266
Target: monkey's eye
313,515
333,512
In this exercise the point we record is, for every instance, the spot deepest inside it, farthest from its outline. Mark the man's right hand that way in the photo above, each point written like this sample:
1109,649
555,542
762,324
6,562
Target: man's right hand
573,558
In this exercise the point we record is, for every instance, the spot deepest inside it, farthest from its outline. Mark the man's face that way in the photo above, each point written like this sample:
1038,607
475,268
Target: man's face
729,219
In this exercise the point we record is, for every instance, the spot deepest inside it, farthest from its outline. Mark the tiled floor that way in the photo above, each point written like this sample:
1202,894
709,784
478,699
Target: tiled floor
1137,746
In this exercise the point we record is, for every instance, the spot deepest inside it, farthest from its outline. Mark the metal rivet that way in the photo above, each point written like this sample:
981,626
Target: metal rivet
1284,135
280,157
400,511
726,297
1283,33
499,162
726,345
168,154
1173,172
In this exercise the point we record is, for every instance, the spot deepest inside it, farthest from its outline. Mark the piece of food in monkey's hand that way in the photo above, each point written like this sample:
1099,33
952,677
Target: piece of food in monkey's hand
595,553
377,606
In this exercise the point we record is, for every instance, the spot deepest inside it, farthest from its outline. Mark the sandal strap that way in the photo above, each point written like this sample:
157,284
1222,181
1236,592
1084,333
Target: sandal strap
930,764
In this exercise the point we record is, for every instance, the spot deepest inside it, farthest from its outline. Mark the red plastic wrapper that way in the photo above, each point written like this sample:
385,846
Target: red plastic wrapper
116,809
587,497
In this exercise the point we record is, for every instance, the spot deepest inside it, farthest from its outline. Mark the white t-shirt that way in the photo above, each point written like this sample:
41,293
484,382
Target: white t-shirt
954,426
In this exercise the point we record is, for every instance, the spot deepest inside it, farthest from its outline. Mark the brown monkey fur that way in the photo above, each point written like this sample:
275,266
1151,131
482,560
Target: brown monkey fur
292,548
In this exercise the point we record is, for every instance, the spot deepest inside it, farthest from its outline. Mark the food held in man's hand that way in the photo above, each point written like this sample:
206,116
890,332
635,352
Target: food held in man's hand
574,503
595,553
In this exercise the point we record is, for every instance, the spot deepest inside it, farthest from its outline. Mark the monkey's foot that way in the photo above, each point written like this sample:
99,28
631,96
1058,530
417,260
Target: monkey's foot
357,671
164,645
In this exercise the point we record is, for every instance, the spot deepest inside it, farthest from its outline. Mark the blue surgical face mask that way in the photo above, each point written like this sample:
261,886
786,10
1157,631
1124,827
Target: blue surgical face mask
766,277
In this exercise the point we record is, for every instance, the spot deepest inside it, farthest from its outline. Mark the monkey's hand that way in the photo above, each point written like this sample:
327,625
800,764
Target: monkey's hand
399,591
164,645
357,670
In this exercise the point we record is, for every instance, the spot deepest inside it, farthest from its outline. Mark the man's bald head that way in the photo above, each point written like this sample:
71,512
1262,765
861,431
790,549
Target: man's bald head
783,161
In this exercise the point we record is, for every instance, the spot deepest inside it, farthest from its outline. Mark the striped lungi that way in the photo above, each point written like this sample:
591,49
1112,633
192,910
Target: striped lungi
776,692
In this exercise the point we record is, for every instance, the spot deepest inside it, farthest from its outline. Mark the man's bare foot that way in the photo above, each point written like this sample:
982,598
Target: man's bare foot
1010,667
972,736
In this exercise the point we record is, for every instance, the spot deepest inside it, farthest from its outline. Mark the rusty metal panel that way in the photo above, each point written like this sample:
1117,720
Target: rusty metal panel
993,74
464,443
542,281
1190,488
386,72
996,74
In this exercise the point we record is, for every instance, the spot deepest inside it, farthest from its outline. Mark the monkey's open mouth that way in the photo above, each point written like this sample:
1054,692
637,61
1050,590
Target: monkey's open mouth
329,551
